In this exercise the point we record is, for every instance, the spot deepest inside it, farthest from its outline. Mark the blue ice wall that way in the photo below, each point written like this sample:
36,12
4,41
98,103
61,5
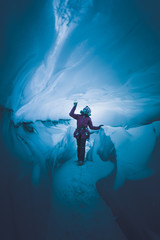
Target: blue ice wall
27,30
105,54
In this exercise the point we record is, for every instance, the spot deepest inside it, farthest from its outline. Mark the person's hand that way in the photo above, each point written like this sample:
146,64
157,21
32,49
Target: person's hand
75,104
101,125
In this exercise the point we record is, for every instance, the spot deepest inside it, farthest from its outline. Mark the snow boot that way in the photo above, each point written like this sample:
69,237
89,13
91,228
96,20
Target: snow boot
80,163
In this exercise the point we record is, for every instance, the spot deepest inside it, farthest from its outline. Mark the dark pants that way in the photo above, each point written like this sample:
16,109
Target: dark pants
81,142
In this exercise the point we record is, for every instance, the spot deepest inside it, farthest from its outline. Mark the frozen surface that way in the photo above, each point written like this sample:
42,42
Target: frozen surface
75,203
105,54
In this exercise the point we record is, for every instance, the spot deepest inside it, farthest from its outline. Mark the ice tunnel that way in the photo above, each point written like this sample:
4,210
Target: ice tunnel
100,53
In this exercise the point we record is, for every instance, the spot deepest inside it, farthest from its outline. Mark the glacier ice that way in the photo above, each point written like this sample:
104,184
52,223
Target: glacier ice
104,54
111,149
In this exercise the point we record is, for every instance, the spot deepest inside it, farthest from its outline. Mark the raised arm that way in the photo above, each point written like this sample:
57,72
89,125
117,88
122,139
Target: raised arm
72,114
90,124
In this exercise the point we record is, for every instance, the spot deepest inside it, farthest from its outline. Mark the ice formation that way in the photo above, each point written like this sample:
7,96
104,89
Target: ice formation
104,54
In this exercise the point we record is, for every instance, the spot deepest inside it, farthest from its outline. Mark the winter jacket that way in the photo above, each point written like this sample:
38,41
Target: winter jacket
83,121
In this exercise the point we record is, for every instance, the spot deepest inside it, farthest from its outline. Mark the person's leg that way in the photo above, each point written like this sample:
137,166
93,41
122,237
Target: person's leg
78,148
82,149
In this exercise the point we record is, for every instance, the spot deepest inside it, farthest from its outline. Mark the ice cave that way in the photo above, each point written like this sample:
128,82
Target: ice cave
104,54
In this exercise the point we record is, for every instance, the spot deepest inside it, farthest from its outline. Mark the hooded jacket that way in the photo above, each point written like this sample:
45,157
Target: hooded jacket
83,121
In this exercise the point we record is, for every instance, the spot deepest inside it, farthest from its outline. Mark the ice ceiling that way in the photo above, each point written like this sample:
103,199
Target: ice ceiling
104,54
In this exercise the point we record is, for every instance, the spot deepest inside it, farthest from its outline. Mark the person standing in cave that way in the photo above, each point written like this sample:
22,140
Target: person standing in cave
82,133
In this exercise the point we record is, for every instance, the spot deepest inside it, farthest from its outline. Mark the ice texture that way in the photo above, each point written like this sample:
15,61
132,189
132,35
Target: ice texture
104,54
